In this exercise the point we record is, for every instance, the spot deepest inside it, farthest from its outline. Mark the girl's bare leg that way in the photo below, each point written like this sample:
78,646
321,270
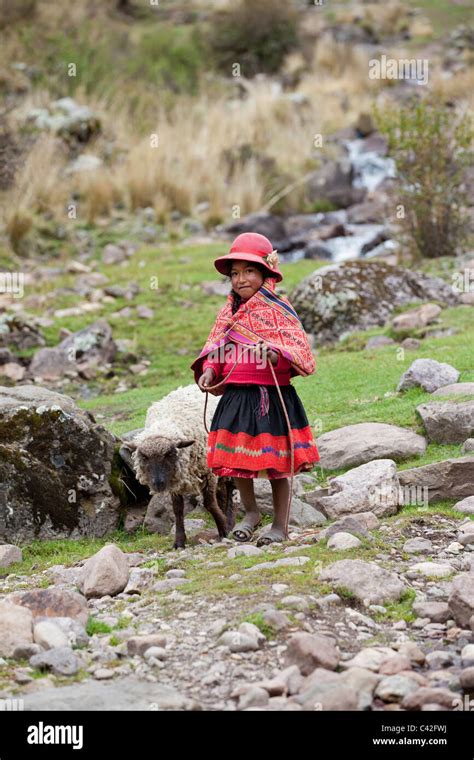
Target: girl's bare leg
247,496
281,493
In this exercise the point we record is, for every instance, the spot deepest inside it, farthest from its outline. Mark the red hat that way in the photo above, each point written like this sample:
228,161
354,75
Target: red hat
250,246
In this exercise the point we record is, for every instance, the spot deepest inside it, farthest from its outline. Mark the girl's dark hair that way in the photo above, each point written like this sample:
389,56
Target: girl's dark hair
237,298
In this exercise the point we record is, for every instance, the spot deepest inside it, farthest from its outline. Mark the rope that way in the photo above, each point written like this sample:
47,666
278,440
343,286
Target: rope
292,453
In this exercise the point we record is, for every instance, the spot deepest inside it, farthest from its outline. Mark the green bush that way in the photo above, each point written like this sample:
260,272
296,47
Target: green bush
257,34
430,144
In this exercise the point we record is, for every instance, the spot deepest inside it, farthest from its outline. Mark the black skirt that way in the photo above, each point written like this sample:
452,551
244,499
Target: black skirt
249,433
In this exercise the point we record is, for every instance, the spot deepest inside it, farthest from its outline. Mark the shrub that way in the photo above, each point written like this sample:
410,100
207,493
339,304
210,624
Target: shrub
430,144
257,34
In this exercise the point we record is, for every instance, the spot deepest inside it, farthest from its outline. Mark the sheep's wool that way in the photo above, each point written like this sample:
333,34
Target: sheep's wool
180,415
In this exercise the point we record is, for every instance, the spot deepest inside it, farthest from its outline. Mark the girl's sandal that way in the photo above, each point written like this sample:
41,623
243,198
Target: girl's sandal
270,537
246,529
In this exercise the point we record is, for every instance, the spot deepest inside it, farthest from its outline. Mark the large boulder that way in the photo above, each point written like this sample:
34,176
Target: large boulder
455,389
369,583
449,479
447,421
372,487
461,599
91,347
352,445
105,573
16,627
339,299
55,464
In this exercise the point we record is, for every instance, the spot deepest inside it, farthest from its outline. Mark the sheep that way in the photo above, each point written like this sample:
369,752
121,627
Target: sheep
170,454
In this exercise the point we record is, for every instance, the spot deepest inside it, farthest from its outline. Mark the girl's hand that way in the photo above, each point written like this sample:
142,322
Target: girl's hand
262,353
207,379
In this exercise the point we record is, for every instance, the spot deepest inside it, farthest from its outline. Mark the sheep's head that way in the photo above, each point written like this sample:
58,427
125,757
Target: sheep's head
156,460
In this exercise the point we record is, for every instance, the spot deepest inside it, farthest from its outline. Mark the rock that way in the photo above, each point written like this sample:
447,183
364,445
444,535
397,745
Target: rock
10,554
138,645
395,688
455,389
74,122
130,693
432,569
341,540
466,678
246,550
414,320
53,603
333,182
429,695
326,691
309,651
437,612
372,486
296,602
238,641
19,333
338,299
427,374
465,505
270,225
412,651
360,523
411,344
468,445
369,658
379,341
439,659
13,371
467,655
105,573
363,682
139,579
49,636
368,582
448,421
461,599
55,464
285,562
62,661
72,628
25,651
91,347
353,445
85,163
448,479
254,696
16,628
418,546
303,515
394,663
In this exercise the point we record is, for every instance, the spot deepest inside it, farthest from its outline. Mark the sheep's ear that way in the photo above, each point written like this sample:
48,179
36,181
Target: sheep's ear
183,443
130,445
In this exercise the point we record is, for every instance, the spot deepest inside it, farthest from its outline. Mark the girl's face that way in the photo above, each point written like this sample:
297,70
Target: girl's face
246,278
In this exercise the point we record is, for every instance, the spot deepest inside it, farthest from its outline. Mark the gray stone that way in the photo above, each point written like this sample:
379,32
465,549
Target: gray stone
461,599
53,603
448,479
62,661
418,546
368,582
341,540
123,694
72,455
16,627
447,421
438,612
466,506
309,651
455,389
48,635
105,573
428,374
468,446
395,688
138,645
10,554
369,487
353,445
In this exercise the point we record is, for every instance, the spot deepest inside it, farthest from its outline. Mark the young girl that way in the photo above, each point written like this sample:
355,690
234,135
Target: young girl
249,434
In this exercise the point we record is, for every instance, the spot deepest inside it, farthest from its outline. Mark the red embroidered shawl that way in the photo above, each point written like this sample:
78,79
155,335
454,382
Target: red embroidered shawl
264,315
